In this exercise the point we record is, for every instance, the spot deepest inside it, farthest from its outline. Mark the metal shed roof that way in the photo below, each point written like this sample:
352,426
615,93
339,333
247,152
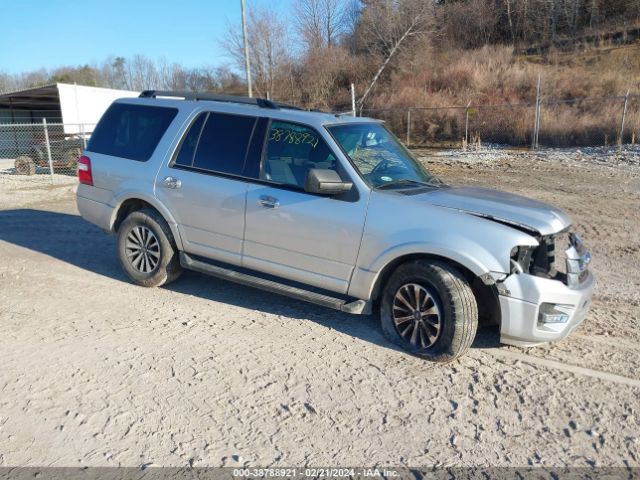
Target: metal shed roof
45,97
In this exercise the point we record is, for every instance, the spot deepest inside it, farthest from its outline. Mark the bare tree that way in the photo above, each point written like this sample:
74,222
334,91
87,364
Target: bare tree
34,78
593,13
510,19
571,10
321,22
142,73
386,26
8,82
171,76
322,76
202,79
229,81
268,50
119,76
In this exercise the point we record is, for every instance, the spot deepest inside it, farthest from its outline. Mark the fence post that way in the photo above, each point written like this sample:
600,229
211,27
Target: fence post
536,122
538,126
84,137
624,114
46,139
466,126
408,127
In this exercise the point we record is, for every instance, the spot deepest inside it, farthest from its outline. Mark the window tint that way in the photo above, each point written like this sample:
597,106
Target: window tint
292,150
223,143
254,155
131,131
188,147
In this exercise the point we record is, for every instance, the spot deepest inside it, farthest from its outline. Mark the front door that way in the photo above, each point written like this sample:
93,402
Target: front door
289,233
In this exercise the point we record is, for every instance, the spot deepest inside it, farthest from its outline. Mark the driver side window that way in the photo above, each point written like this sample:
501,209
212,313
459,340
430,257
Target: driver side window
291,151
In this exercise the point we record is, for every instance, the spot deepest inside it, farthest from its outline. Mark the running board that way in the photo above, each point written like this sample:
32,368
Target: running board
358,307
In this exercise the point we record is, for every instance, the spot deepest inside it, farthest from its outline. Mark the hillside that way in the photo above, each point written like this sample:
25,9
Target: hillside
501,88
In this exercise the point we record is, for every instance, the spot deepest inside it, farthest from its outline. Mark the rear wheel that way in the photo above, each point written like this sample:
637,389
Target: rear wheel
25,165
428,309
147,250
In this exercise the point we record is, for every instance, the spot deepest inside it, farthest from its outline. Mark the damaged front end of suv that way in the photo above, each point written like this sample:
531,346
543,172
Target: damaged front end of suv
548,292
545,292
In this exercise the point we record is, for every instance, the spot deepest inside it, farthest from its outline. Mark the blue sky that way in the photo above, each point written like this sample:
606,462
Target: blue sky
50,33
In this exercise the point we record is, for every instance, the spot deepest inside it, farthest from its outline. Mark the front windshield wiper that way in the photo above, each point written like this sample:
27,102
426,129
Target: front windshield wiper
409,183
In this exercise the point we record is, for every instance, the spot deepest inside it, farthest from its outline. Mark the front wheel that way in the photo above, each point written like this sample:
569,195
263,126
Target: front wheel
428,308
147,250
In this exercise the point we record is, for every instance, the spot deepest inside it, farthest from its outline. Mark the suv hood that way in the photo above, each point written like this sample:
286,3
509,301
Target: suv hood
502,207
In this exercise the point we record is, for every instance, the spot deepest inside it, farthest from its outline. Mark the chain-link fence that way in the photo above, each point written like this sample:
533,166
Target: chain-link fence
40,151
604,121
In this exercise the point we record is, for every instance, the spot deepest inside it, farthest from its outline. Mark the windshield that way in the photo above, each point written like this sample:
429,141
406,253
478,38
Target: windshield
380,157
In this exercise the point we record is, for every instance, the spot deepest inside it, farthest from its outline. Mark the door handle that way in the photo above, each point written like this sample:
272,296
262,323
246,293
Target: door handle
171,182
268,202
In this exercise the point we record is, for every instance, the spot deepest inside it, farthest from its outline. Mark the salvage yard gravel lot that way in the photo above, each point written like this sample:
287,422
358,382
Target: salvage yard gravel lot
95,371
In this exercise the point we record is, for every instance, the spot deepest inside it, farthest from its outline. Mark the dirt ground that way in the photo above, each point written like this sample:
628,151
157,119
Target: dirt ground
96,371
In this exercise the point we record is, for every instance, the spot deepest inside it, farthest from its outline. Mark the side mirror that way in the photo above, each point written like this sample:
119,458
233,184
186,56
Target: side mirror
325,182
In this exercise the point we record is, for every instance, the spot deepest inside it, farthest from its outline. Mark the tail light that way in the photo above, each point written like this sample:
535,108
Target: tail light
84,170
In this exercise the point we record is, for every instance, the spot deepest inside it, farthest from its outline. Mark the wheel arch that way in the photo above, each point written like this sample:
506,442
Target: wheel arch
129,204
486,296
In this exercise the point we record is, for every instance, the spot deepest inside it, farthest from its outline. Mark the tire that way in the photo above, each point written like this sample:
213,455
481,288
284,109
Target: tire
25,165
161,264
447,318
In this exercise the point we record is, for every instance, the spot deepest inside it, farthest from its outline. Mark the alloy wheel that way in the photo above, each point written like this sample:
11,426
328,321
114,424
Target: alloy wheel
143,249
417,315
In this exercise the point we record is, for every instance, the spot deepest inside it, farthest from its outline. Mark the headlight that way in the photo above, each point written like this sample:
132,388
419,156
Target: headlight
577,259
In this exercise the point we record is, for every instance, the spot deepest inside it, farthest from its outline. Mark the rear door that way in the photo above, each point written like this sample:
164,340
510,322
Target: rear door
296,235
203,184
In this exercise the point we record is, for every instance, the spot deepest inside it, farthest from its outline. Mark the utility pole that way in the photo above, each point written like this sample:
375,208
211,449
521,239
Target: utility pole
247,65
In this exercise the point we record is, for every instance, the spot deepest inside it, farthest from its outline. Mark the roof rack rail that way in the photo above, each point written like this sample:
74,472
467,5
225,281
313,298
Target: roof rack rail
217,97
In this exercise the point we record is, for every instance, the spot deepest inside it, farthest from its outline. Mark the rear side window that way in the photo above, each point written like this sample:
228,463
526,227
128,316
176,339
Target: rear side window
131,131
223,143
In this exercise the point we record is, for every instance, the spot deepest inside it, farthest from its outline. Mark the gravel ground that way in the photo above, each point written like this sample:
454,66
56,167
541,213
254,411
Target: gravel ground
98,372
17,191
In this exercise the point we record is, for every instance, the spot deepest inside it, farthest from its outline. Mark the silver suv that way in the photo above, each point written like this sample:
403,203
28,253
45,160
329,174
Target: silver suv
332,210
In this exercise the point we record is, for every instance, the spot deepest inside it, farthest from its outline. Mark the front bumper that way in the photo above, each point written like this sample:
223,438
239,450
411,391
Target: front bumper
520,301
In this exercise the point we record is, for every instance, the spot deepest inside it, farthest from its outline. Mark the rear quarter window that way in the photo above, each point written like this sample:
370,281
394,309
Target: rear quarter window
131,131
